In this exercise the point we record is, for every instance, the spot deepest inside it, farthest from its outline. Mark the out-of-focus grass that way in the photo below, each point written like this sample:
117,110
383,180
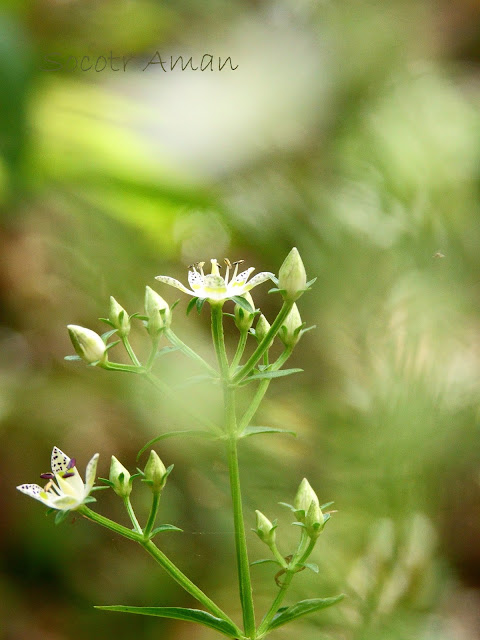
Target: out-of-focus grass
350,131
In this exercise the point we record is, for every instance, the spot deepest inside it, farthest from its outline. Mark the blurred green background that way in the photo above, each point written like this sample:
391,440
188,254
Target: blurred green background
350,130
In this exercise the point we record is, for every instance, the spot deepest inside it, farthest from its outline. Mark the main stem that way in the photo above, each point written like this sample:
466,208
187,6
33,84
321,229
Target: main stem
243,566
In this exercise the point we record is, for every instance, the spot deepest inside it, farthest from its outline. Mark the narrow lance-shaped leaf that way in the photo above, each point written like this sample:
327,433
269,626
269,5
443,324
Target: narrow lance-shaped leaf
267,375
302,608
252,431
179,613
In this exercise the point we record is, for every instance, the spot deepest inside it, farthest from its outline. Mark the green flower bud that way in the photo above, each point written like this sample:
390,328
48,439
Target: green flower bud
120,479
292,277
290,331
158,312
262,328
314,521
88,344
119,318
265,529
305,497
243,319
155,472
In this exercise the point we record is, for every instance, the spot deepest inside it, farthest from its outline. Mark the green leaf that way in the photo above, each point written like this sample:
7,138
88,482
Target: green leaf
264,561
112,344
268,375
302,608
251,431
289,506
191,304
179,613
164,527
107,321
164,350
171,434
244,304
199,303
105,336
61,516
310,282
312,566
326,505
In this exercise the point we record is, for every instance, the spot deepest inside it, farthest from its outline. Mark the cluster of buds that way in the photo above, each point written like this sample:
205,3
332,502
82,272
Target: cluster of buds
155,475
309,516
93,348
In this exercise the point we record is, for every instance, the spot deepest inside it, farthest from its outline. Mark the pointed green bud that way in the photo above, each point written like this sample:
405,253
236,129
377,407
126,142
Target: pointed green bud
292,277
290,331
88,344
119,318
314,521
243,319
120,479
305,497
262,328
158,312
265,529
155,472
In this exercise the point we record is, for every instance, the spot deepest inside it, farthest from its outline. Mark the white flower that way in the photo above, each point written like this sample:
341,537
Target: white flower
65,489
213,286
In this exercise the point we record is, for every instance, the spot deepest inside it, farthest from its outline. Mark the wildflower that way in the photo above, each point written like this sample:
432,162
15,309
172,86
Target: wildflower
292,279
88,344
291,330
213,286
244,319
119,318
305,497
158,313
155,472
265,529
120,479
65,489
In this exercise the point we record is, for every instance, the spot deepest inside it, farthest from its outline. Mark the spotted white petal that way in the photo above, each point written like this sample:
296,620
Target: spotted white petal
35,491
258,279
90,474
59,460
174,283
241,279
195,280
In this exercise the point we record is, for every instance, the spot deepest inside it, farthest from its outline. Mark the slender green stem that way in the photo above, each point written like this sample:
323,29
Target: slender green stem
172,570
116,366
153,353
304,549
132,516
276,603
131,352
175,340
243,564
265,343
110,524
239,352
153,514
262,390
278,555
219,341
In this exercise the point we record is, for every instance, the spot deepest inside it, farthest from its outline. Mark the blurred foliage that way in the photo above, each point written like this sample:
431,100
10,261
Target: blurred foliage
349,130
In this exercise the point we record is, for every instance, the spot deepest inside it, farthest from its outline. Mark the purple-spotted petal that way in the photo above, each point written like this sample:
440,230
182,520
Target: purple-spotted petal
241,279
90,474
60,461
174,283
37,492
